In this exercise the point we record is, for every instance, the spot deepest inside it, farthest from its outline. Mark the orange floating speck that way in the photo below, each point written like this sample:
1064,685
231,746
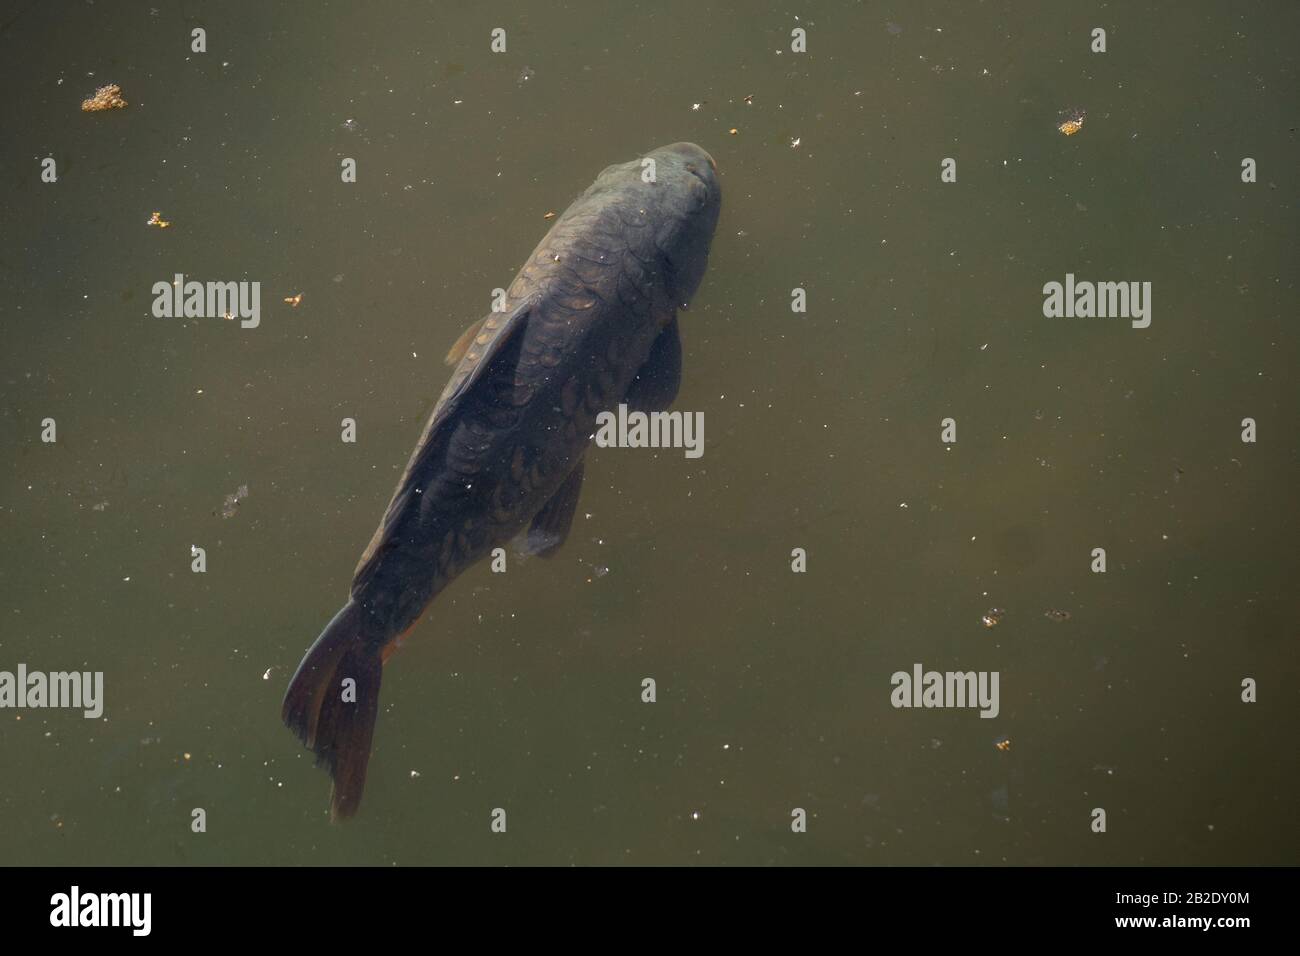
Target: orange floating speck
1072,123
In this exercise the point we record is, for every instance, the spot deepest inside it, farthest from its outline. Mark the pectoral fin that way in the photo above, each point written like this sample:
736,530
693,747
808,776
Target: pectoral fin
551,525
655,386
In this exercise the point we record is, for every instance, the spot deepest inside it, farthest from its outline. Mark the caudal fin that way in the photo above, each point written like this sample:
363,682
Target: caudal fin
334,719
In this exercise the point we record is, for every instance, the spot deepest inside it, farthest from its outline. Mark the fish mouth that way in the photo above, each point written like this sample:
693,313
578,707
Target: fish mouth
707,177
694,171
693,158
708,158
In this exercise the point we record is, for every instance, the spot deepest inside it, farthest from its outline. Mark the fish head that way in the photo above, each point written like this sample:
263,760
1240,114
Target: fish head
689,198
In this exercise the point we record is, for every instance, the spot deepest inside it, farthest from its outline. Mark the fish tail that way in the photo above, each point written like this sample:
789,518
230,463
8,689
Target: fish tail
336,720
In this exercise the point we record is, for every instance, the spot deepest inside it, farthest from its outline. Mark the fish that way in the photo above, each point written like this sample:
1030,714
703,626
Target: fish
589,322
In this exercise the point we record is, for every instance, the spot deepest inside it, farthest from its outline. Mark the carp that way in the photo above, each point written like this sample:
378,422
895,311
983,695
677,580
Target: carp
589,323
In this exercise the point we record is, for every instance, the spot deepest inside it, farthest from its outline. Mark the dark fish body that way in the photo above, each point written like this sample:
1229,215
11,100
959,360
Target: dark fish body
589,322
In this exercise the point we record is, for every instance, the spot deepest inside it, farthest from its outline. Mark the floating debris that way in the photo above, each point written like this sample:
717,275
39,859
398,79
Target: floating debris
1057,616
733,131
526,74
231,504
156,219
350,125
749,99
1003,744
993,616
549,215
1072,123
794,143
105,98
99,507
293,300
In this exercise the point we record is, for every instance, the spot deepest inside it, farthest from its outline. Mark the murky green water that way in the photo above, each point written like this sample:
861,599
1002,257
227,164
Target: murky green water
522,691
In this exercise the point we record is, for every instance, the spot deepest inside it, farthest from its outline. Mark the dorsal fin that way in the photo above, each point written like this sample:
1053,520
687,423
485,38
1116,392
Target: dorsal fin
458,350
498,329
